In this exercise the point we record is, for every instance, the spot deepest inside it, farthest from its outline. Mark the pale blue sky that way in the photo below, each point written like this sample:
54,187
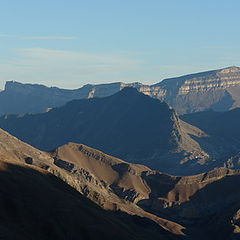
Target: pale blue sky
69,43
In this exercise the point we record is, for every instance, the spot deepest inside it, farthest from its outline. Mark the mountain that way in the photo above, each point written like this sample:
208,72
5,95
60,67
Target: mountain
216,89
38,205
128,125
140,203
32,98
196,202
22,98
223,132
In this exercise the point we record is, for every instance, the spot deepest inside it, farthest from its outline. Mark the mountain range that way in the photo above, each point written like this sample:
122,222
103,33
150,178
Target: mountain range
35,204
137,128
122,161
217,90
105,196
128,125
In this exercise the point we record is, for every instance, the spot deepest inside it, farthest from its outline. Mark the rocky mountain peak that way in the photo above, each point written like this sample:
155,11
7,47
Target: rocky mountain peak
231,69
21,87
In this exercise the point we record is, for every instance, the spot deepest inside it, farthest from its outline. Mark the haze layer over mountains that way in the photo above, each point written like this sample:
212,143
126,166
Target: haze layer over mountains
100,161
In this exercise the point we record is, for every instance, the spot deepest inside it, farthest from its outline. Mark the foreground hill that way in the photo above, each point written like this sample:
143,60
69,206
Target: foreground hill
204,206
216,89
37,205
195,202
128,125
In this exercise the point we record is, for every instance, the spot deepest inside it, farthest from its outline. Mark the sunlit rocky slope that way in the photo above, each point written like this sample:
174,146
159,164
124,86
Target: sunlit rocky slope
204,206
38,205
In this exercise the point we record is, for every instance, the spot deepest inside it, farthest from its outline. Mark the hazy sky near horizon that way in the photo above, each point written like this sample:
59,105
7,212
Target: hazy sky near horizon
69,43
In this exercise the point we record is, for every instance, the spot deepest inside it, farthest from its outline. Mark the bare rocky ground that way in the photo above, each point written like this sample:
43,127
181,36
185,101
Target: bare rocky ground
137,202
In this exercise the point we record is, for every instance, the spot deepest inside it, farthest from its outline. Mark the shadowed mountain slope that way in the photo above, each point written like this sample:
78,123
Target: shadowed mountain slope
128,125
37,205
22,98
224,132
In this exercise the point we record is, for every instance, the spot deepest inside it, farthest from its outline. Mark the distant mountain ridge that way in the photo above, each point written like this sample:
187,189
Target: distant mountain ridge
138,129
19,98
216,89
128,125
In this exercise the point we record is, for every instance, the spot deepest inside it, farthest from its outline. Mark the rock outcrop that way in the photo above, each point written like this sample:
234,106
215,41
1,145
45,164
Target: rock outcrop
217,90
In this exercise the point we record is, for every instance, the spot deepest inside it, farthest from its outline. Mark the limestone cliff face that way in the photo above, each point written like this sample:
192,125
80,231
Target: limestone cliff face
219,79
217,89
